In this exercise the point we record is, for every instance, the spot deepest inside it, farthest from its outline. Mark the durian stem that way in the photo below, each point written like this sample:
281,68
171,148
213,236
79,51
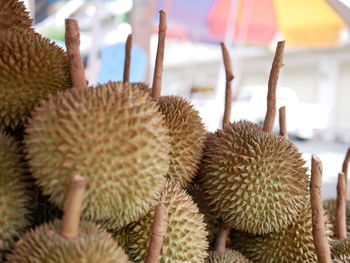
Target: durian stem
318,222
272,87
73,207
340,218
283,122
128,45
159,228
76,63
221,240
345,168
158,68
229,78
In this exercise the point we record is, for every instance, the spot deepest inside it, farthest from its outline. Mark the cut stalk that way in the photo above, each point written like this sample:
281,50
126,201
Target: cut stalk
272,87
159,228
283,122
73,207
127,60
318,223
75,62
340,217
229,78
158,68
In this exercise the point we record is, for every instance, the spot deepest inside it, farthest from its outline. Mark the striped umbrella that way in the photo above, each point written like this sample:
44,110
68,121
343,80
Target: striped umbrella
311,23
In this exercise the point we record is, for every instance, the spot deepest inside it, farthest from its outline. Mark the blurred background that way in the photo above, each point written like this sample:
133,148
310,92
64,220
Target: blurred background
314,84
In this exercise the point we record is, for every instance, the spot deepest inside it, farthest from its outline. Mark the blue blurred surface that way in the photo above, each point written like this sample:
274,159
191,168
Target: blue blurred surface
112,66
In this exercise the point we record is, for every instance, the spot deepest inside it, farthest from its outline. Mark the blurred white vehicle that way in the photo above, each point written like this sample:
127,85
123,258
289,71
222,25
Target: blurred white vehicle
302,118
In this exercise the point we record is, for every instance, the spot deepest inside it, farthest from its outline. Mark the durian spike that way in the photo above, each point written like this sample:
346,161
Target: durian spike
340,217
221,239
73,207
272,86
159,228
318,222
158,68
229,78
76,63
346,166
283,122
128,45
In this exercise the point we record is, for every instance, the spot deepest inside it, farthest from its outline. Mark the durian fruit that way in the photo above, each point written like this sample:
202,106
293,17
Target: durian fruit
187,137
185,239
31,68
295,244
113,134
14,196
45,245
254,181
329,206
340,250
68,240
211,221
229,256
13,15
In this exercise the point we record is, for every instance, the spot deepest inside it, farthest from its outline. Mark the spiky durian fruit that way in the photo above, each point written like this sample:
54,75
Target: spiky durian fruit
14,196
211,221
45,245
194,189
31,68
187,137
340,250
342,260
255,181
185,239
113,135
295,244
229,256
13,15
329,206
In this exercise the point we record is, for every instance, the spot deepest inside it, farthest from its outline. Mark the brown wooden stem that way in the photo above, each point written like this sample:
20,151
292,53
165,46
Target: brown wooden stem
73,207
158,68
340,218
128,46
346,166
283,122
229,78
318,223
272,87
74,58
221,239
159,228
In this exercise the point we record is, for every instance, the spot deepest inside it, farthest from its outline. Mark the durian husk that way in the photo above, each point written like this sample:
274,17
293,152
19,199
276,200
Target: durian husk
31,68
114,136
295,244
254,181
340,250
185,239
194,189
229,256
13,15
211,221
15,198
45,245
187,138
329,206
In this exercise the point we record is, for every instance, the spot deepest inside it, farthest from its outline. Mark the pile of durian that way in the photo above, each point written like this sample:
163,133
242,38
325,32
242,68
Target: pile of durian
118,173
